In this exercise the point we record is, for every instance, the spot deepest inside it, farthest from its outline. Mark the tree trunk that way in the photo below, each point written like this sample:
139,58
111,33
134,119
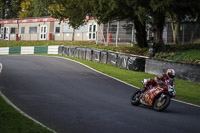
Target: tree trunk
173,32
176,32
73,34
158,32
141,35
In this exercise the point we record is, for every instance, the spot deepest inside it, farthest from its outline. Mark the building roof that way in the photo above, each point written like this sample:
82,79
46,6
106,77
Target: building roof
28,20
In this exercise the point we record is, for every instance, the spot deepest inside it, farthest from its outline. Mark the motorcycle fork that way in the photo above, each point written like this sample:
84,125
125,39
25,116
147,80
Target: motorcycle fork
162,97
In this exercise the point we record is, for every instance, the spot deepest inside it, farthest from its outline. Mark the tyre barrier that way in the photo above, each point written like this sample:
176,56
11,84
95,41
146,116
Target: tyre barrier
105,57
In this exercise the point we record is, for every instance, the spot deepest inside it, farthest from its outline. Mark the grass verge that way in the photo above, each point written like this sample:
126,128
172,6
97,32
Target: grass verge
186,91
12,121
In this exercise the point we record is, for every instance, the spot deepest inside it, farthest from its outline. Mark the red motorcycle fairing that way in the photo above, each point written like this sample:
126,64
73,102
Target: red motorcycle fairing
150,95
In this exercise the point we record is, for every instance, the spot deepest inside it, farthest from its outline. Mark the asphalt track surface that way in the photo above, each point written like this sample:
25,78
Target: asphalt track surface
70,98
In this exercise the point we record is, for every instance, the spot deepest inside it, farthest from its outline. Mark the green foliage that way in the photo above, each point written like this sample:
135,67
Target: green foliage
34,8
141,12
70,10
9,8
41,7
27,9
185,53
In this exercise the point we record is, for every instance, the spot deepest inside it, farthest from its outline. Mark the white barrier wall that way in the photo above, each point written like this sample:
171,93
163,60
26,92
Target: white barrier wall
53,49
4,51
27,50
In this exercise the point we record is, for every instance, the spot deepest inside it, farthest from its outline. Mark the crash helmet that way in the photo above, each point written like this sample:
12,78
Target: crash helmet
171,73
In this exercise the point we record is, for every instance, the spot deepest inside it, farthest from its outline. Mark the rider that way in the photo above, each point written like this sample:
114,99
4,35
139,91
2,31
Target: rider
159,80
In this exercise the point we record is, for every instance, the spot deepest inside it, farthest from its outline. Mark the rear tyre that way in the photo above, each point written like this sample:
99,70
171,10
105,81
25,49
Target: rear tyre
161,103
135,99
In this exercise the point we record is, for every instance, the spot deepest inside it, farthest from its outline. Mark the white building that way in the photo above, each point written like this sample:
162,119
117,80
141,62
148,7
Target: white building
45,29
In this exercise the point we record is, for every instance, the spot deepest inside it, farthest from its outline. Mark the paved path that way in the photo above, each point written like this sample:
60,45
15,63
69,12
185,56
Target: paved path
71,98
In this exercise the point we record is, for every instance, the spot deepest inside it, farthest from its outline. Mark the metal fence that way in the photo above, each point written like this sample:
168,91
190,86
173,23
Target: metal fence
123,32
189,33
116,33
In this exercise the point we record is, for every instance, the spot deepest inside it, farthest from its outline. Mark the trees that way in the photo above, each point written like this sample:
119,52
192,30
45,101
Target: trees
140,12
34,8
27,9
9,8
105,11
41,7
2,9
178,12
71,10
157,11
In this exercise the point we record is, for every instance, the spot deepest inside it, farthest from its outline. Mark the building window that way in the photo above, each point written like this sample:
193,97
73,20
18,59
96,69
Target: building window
57,30
13,30
32,30
22,30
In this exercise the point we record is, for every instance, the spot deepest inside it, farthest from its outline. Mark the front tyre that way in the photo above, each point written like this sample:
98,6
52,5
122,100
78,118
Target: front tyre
135,99
161,102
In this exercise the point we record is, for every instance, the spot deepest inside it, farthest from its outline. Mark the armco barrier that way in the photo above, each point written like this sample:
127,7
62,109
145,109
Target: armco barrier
190,72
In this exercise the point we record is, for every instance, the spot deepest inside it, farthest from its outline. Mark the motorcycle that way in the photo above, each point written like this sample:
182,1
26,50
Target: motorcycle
158,97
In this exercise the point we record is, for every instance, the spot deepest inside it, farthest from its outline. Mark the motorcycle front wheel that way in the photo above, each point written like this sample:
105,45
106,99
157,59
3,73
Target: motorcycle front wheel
135,99
161,103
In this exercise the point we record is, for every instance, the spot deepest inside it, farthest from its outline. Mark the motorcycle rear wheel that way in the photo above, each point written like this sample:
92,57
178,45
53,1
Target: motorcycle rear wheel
160,103
135,99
